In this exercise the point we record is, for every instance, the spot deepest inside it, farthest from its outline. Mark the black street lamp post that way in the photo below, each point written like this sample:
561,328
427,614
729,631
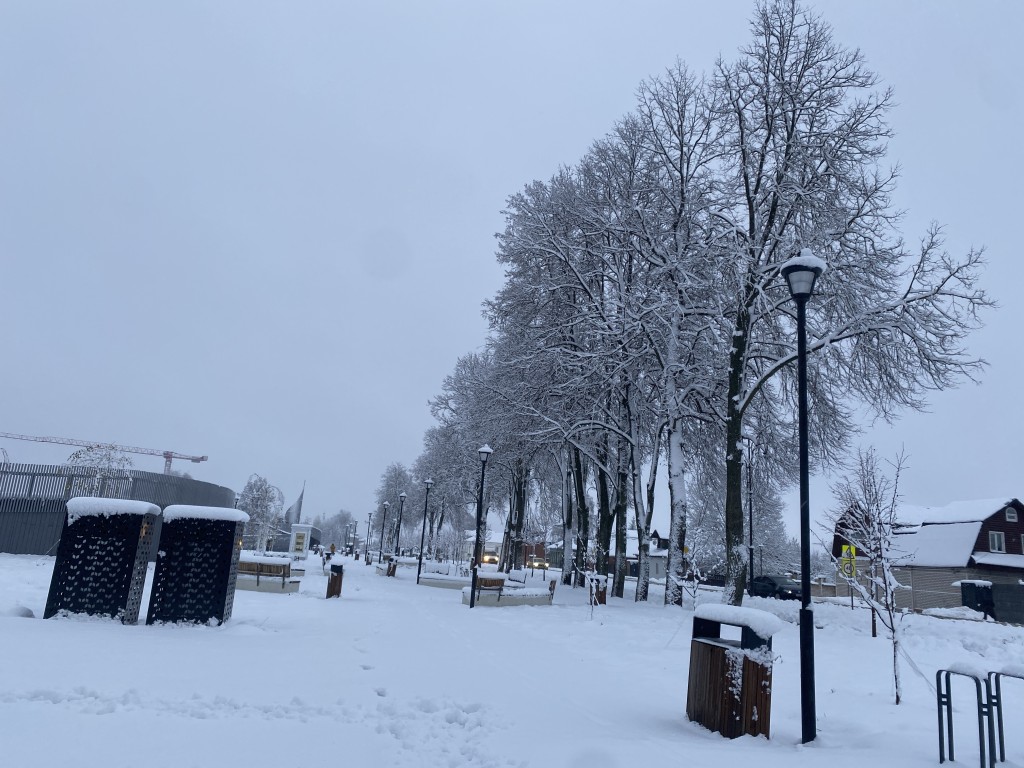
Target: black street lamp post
423,530
366,554
800,273
383,525
485,453
398,525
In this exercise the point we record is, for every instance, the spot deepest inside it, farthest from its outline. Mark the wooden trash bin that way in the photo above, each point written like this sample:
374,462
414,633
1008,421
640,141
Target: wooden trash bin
334,580
729,688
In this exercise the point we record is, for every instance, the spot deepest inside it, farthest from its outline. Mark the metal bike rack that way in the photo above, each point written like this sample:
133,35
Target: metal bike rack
995,681
983,693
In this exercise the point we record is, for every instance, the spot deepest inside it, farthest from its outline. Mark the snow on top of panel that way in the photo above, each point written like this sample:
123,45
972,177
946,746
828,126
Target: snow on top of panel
177,511
83,506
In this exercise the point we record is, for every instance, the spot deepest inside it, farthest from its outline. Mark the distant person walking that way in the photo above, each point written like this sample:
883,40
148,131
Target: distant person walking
988,605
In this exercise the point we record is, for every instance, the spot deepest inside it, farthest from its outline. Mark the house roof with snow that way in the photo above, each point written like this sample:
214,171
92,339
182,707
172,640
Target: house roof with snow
956,512
945,537
633,546
936,545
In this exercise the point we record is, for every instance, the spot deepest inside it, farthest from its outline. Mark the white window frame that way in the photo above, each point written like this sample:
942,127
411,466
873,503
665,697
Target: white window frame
996,541
1011,515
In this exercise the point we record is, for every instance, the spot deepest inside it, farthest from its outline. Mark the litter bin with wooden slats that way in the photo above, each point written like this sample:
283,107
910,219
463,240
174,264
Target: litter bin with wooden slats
729,688
335,579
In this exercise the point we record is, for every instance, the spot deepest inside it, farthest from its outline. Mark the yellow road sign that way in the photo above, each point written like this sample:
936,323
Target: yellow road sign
848,563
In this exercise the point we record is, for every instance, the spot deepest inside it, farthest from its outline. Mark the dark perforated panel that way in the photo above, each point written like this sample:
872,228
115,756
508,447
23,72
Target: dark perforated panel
195,571
101,566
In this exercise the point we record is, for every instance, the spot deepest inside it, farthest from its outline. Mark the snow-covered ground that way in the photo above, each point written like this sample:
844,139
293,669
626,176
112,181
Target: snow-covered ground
399,675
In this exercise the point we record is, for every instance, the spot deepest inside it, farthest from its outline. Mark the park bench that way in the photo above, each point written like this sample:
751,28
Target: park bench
489,583
504,598
265,574
516,577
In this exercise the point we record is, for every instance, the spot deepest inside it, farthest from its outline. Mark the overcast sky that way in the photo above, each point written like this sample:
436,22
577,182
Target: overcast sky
263,231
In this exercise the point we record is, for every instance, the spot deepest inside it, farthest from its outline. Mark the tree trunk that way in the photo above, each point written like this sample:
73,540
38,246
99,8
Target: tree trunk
896,665
621,508
640,507
675,569
582,517
522,482
567,528
605,519
504,554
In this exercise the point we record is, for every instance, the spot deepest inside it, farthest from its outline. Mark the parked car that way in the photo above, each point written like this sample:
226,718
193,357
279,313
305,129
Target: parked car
490,556
781,587
537,561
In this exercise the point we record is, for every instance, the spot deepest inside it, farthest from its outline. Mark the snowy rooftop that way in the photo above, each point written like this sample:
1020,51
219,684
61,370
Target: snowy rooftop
956,512
633,546
937,546
999,558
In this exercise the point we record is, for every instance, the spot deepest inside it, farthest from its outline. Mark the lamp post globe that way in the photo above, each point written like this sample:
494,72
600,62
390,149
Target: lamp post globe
398,524
383,525
801,273
426,495
484,452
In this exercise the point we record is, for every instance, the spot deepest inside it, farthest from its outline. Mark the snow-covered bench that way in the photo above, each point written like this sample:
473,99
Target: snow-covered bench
266,573
503,598
516,577
439,568
444,580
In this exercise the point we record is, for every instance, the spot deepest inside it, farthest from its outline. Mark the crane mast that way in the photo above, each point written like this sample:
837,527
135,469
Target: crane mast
168,455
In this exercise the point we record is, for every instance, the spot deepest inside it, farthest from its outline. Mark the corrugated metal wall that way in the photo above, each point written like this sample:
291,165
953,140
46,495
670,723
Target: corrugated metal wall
32,498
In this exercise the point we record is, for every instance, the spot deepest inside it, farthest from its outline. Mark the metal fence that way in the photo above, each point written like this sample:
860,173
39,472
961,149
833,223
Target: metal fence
32,498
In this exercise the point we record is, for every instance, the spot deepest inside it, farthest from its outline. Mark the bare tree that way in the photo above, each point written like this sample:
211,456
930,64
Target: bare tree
865,519
264,503
395,480
806,134
105,461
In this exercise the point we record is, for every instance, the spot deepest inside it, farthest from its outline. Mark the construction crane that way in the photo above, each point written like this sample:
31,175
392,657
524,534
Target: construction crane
168,455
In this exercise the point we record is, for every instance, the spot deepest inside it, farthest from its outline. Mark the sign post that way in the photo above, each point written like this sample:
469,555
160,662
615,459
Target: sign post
848,563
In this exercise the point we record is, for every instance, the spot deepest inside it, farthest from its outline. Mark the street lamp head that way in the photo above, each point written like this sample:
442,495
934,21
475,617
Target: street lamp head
428,482
801,272
386,505
485,453
402,496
